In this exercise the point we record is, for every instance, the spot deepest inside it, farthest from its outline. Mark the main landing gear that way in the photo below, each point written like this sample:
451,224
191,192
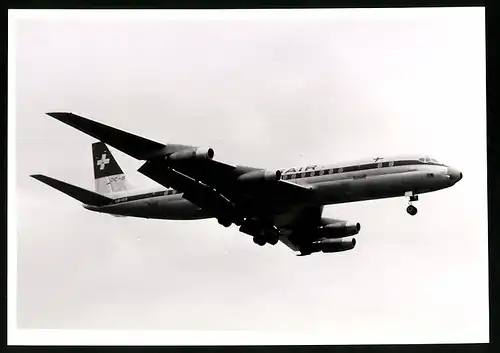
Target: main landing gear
227,222
261,231
412,210
224,222
261,241
270,236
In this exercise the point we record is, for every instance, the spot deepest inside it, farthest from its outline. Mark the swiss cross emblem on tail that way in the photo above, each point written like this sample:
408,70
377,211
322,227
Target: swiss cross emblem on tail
103,161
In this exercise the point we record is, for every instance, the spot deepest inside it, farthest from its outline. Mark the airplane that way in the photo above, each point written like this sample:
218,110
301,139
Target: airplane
269,205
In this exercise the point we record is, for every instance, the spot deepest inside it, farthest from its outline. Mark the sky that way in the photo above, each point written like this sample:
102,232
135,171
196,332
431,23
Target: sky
270,89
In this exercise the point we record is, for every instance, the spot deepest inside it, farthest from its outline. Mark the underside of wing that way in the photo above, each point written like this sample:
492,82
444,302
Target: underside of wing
246,188
301,218
194,190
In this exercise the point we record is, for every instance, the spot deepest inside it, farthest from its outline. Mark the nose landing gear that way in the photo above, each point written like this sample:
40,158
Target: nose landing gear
412,210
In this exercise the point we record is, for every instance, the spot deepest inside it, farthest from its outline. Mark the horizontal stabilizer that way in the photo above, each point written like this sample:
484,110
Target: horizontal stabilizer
133,145
82,195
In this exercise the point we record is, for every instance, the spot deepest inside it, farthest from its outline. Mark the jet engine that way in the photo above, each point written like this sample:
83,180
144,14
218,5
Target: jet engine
191,154
338,230
257,176
334,245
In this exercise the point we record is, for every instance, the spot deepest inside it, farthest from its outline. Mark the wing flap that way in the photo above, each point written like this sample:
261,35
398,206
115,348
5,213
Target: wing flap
193,191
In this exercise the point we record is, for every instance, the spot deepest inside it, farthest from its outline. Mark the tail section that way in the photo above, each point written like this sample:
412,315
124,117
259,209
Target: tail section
108,175
85,196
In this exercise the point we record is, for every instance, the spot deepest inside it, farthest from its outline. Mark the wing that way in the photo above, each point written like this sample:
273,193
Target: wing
292,222
203,181
133,145
210,184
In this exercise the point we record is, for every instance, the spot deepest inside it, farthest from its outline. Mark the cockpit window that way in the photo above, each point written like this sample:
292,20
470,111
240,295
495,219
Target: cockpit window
427,159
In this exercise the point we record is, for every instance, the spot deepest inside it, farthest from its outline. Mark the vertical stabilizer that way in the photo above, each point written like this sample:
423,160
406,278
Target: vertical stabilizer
108,175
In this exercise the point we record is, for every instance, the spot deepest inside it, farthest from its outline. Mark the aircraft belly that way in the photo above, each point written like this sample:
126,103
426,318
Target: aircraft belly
173,207
180,209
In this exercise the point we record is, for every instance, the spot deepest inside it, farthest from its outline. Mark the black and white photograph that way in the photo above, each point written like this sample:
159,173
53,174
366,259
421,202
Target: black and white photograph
250,177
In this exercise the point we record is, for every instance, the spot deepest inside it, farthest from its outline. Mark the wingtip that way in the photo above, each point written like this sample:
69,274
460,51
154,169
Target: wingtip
58,115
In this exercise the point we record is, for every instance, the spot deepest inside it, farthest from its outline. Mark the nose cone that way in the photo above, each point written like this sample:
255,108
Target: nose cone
454,174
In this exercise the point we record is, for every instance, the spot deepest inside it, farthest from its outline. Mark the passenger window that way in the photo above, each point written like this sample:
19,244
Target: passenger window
292,176
312,174
341,170
302,175
391,164
321,172
379,165
330,171
285,177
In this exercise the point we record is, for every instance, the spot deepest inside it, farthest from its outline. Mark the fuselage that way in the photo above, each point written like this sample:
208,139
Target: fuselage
332,184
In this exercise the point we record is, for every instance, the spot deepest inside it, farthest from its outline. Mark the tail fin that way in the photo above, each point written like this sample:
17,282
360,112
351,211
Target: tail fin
82,195
108,176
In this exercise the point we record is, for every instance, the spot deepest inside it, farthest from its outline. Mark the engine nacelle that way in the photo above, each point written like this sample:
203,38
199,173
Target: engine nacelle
338,230
334,245
191,154
259,176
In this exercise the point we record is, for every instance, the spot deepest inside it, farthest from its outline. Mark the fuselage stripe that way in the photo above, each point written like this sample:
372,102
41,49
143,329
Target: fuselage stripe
145,196
294,174
288,175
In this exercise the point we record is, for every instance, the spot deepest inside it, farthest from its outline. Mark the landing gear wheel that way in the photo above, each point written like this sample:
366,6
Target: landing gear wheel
259,241
273,240
271,236
412,210
238,220
224,222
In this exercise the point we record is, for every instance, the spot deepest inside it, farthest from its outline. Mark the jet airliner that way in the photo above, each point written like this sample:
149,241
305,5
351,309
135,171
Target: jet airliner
269,205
